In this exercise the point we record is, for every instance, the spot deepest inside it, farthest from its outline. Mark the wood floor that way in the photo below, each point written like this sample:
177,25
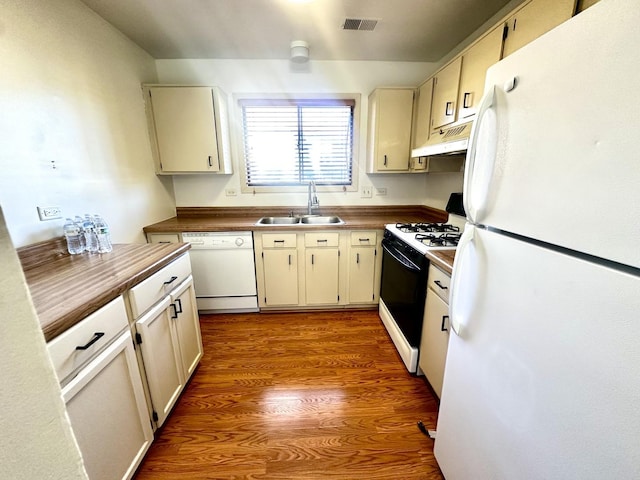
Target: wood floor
297,396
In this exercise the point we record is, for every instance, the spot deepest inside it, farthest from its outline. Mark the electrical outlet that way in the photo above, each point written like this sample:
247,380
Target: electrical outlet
231,192
381,191
49,213
366,192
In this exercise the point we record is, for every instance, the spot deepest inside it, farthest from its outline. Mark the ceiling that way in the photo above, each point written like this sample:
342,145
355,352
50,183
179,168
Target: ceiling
406,30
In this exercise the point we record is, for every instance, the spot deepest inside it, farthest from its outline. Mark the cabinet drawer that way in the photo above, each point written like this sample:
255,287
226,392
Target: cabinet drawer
101,327
439,282
163,237
148,292
278,240
321,239
363,238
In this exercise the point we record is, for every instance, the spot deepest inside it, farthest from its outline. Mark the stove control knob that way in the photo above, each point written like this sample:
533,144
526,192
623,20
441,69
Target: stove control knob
239,241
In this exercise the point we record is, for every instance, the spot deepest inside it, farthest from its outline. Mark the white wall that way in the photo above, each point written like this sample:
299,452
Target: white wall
277,76
72,122
36,439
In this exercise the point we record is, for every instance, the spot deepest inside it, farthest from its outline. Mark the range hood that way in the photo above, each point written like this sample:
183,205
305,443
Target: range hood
447,141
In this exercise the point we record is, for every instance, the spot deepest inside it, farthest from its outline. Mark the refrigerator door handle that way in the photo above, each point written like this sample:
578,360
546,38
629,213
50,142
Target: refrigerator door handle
469,200
455,320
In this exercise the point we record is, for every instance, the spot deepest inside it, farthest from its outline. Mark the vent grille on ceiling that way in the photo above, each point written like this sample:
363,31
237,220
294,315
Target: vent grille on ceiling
359,24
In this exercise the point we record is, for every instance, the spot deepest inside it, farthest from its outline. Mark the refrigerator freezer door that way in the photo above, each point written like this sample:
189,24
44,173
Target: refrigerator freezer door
542,382
566,169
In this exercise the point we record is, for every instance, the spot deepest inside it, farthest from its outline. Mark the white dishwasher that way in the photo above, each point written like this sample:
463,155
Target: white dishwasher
224,271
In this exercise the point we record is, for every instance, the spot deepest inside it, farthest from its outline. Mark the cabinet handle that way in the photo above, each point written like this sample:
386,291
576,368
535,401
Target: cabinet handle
321,241
442,327
437,282
364,239
385,161
179,305
171,280
165,241
174,315
96,336
448,111
210,162
289,259
312,258
357,258
278,241
466,98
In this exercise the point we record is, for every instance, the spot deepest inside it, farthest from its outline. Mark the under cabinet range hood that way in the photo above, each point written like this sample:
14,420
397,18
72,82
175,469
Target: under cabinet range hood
446,141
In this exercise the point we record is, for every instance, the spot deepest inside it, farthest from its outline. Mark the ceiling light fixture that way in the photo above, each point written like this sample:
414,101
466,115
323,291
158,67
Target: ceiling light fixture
299,51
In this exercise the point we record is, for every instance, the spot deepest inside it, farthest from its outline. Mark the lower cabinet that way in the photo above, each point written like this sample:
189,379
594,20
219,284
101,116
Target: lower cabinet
170,344
103,390
435,329
317,269
364,271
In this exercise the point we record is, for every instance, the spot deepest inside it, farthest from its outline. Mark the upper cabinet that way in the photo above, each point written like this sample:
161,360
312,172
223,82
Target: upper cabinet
422,113
189,129
475,62
389,130
535,19
445,94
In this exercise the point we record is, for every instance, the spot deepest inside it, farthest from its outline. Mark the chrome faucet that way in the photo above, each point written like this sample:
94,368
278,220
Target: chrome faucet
313,198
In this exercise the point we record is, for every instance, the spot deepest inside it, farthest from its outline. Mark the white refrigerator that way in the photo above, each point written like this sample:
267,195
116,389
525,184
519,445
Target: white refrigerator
542,377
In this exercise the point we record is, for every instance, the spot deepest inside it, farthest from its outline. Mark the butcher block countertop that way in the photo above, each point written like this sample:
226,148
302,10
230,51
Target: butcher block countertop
443,259
212,219
66,288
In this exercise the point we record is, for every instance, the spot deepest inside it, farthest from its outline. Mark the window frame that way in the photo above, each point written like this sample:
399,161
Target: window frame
239,141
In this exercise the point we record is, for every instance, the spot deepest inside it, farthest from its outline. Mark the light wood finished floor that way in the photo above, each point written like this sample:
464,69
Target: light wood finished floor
297,396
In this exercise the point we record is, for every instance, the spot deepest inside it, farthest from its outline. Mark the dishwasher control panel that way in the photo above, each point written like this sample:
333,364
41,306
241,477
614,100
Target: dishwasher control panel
218,240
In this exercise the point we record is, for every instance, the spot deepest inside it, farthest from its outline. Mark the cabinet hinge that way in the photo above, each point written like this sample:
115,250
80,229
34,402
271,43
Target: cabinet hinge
138,338
154,415
505,32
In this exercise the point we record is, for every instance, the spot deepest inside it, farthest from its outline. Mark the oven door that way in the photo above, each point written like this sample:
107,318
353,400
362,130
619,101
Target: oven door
403,290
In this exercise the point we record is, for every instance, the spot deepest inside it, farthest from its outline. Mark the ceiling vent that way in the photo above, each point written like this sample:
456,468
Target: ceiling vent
359,24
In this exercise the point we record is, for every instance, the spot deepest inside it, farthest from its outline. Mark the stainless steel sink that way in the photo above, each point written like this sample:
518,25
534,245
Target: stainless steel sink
303,220
321,220
278,221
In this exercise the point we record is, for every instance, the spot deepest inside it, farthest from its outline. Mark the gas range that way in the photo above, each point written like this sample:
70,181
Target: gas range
429,236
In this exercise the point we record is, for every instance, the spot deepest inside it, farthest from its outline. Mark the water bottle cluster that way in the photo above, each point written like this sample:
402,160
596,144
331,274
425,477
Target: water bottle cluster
88,234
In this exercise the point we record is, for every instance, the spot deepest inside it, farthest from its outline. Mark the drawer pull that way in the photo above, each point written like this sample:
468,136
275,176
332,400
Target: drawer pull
437,282
322,240
171,280
278,241
444,319
364,239
96,336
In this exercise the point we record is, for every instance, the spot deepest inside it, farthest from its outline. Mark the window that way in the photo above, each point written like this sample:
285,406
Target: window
291,142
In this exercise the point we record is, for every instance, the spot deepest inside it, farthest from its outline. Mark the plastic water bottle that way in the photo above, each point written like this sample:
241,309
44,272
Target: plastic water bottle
74,237
90,237
79,222
102,232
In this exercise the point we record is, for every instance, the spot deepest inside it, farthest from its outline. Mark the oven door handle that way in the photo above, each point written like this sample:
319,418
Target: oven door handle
401,259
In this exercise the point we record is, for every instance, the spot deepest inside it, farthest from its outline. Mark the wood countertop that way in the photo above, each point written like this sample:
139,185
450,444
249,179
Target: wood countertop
443,259
66,288
212,219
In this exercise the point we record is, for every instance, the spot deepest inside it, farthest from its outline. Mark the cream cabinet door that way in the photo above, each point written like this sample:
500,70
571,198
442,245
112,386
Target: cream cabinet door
389,129
187,324
475,62
445,94
362,274
185,129
161,356
435,340
280,267
321,276
108,412
422,117
535,19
